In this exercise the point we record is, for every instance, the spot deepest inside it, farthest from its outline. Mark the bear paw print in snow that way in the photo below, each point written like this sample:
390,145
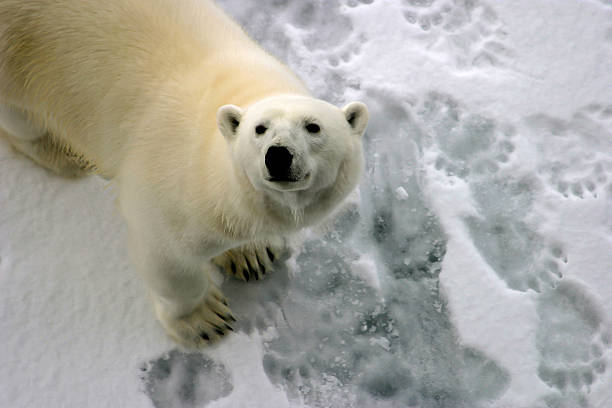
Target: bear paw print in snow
573,159
572,339
470,31
468,145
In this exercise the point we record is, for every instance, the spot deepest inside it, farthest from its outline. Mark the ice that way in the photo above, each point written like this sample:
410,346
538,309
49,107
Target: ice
470,270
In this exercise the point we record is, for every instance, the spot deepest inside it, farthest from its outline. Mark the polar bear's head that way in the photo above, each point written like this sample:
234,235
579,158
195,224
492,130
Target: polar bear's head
296,149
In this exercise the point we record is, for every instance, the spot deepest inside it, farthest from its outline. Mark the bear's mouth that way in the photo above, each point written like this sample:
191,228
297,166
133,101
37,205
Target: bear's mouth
288,178
283,180
289,183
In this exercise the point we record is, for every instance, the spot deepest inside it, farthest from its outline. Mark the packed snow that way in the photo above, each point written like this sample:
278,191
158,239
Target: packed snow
470,269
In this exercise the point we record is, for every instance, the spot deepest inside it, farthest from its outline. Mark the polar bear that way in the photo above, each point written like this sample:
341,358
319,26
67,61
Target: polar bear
217,149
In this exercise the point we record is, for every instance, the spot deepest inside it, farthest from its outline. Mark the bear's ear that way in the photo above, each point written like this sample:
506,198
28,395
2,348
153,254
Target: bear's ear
356,114
228,120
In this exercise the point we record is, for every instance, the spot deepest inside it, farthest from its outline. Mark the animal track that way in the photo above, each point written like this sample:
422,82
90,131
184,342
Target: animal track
179,380
355,3
326,26
481,151
516,253
468,143
573,154
571,339
470,30
346,51
427,13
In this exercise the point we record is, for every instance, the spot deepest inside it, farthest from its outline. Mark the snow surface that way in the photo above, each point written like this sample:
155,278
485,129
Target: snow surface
472,268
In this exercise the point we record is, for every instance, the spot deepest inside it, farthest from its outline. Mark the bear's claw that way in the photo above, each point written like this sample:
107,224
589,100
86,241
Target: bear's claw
249,262
207,323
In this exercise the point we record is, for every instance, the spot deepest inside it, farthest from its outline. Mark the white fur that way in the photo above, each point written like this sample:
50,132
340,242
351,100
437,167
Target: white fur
163,97
16,123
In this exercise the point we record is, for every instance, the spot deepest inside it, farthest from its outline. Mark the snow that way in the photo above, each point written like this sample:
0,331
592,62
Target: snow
472,268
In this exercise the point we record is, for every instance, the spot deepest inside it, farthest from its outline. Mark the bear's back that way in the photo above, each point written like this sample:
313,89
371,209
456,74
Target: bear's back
92,71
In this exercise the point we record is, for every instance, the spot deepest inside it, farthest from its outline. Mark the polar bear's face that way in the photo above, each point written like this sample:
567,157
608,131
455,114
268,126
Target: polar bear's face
294,143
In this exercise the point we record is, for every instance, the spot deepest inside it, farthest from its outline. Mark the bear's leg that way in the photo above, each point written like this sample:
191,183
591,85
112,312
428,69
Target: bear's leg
46,152
206,323
192,310
251,261
39,145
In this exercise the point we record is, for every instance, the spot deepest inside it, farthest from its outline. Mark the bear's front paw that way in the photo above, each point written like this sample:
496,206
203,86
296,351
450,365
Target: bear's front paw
251,261
207,323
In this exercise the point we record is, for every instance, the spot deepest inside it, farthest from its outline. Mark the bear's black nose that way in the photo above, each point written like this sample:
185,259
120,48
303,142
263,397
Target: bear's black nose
278,162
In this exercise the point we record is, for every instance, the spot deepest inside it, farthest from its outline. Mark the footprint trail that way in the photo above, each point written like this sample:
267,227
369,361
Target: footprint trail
481,151
572,337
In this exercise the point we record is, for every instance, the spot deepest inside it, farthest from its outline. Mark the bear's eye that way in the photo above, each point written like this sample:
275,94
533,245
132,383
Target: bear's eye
260,129
312,128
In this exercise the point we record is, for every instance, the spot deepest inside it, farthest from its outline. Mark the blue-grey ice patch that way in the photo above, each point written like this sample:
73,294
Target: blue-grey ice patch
184,380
